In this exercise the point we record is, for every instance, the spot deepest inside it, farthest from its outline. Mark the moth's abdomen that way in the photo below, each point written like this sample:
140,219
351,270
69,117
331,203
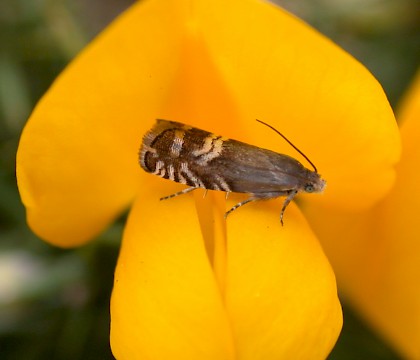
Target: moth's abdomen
179,153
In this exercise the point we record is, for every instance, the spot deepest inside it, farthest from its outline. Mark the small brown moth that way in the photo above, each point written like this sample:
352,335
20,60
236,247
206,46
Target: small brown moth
195,157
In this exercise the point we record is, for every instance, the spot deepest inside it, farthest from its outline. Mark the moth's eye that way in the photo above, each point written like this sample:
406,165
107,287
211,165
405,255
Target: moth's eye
309,188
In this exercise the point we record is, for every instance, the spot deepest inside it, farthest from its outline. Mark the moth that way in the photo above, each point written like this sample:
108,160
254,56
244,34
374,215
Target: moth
200,159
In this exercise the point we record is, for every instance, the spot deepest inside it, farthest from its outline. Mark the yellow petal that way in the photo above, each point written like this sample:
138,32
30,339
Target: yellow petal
395,305
77,162
281,293
281,71
277,300
376,254
166,302
204,63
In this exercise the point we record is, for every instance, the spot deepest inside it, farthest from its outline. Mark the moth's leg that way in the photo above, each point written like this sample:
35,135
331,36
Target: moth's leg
290,196
185,191
205,193
250,199
227,195
265,196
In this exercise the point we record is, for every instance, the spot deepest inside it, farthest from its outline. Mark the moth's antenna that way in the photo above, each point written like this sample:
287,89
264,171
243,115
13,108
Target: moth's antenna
290,143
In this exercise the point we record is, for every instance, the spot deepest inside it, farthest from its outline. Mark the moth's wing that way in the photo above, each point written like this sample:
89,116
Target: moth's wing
198,158
180,153
250,169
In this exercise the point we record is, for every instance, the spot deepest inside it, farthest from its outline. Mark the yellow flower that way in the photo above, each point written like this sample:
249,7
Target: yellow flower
377,261
188,284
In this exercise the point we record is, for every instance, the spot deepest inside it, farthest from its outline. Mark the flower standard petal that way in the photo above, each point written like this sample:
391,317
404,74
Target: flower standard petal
280,70
77,160
118,81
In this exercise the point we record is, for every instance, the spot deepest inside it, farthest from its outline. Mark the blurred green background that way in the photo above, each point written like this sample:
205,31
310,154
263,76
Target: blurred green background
54,303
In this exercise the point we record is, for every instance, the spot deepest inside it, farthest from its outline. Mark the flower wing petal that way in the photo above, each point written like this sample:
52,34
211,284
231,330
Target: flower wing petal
166,302
394,304
377,257
281,291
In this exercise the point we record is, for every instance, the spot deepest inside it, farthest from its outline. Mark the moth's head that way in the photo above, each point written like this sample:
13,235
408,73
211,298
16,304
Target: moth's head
314,183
